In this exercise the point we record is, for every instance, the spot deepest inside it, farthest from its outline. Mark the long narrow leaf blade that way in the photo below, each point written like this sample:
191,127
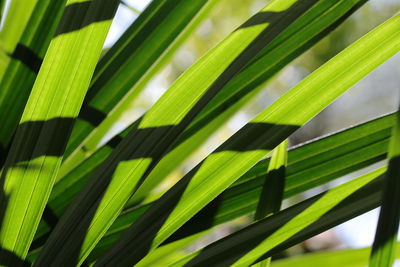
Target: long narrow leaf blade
256,241
304,32
25,64
127,67
273,189
272,193
167,254
309,165
41,137
383,249
14,25
343,258
300,35
111,185
242,151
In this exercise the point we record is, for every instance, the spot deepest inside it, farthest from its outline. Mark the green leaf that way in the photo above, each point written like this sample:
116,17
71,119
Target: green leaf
25,63
56,97
111,185
287,47
342,258
273,189
169,253
2,2
250,144
297,37
309,165
274,186
383,249
304,32
14,25
292,225
126,68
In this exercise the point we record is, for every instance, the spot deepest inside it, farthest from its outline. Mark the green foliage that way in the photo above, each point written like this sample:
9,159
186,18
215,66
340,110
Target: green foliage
253,243
384,246
25,62
69,199
345,258
273,188
36,152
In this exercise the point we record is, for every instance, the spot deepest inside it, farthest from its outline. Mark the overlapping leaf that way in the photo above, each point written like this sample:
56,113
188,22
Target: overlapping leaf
271,196
111,185
14,25
343,258
309,165
292,225
24,65
37,149
226,184
254,141
384,246
300,35
215,113
125,69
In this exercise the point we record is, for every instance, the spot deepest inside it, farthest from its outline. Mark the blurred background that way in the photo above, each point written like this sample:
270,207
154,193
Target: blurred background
377,94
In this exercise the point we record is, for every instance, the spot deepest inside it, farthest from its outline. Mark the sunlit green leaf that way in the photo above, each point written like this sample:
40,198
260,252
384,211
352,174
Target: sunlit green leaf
37,149
343,258
111,185
309,165
384,246
273,189
14,25
291,225
26,59
126,68
253,142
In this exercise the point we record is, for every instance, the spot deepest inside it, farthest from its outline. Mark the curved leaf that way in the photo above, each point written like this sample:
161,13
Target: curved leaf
25,63
383,248
111,185
56,97
292,225
126,68
309,165
250,144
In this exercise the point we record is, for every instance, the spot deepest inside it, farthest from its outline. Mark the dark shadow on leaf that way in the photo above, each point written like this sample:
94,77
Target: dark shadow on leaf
28,57
3,154
139,237
74,13
27,145
238,95
91,115
205,215
281,20
389,216
361,201
58,130
8,258
229,250
232,253
272,17
154,142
